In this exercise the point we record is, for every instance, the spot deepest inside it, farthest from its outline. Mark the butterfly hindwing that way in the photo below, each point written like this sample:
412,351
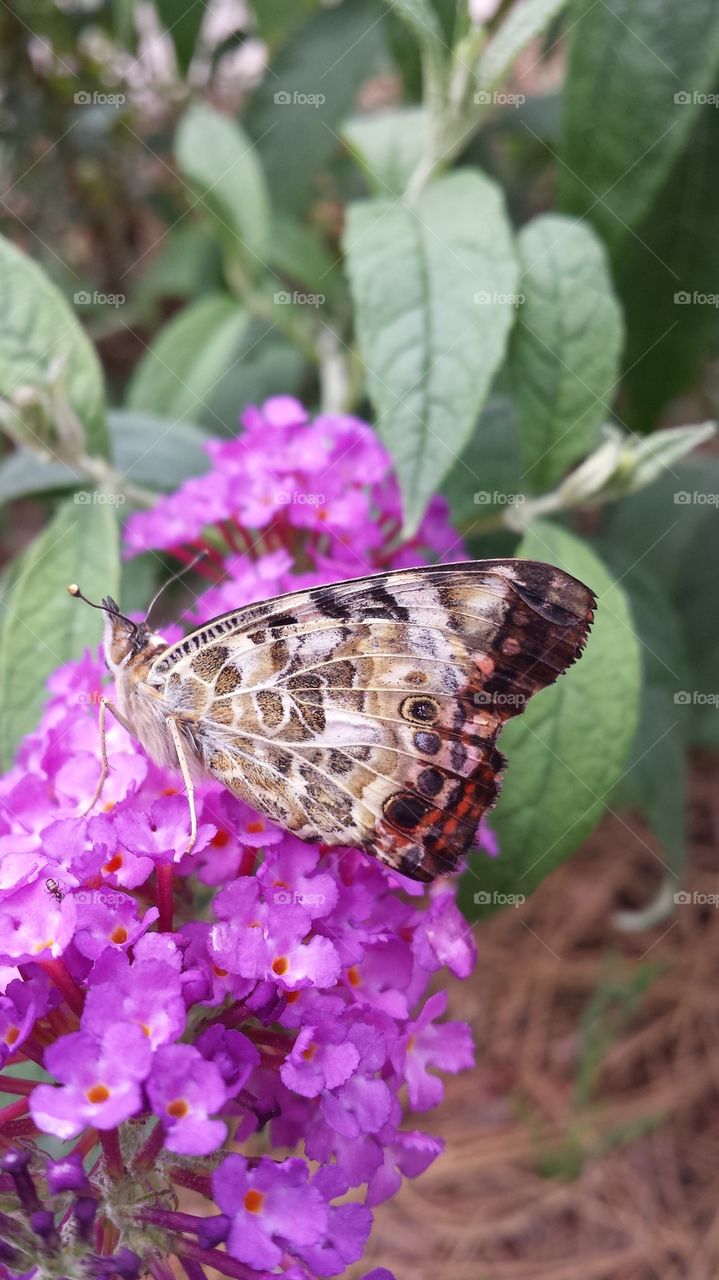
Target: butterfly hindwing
367,713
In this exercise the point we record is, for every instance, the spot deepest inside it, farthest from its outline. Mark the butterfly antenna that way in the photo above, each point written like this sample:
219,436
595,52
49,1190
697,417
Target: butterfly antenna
175,578
75,591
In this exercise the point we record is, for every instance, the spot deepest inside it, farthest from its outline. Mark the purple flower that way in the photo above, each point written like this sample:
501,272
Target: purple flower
271,1207
184,1089
448,1047
146,994
100,1078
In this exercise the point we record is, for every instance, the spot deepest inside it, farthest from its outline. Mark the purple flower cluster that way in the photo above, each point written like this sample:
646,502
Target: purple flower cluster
189,1019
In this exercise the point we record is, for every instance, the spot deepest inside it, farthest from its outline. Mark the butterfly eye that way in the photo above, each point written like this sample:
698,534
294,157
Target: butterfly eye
421,710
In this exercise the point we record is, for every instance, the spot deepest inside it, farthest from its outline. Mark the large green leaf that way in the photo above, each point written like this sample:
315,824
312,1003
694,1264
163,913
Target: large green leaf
42,626
388,147
38,329
154,452
565,347
670,529
667,278
311,87
568,750
433,286
221,164
188,358
485,479
637,70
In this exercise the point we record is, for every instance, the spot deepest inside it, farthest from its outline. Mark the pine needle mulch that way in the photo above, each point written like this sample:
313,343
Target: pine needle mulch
585,1144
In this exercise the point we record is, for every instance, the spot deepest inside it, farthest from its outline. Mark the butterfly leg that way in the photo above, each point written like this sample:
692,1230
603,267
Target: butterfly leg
105,706
186,778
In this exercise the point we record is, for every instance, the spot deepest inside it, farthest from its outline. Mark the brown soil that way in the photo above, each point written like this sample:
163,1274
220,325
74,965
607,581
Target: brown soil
540,1181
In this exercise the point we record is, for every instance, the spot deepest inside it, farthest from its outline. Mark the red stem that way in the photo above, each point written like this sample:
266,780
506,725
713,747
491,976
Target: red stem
221,1262
147,1154
165,898
13,1111
199,1182
16,1084
85,1143
110,1143
57,972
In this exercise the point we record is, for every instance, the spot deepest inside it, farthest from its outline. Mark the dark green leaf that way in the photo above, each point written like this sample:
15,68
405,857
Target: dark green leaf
154,452
568,750
182,22
565,346
630,101
312,86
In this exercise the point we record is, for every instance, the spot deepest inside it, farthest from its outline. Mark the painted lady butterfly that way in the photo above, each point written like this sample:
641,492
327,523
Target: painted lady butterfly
365,713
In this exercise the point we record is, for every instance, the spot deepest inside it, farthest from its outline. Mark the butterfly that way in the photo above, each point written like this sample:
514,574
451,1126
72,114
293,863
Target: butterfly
365,713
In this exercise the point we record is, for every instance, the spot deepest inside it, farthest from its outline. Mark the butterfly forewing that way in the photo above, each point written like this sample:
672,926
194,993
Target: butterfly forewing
367,713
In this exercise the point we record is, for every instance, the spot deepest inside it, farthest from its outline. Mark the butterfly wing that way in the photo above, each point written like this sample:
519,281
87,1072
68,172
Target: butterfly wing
367,713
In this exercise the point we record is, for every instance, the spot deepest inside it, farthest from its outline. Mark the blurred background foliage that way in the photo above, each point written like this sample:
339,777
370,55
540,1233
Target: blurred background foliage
228,201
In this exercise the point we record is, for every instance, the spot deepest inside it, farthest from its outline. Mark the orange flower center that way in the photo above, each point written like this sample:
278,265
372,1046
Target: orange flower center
178,1108
97,1093
353,976
11,1035
280,965
309,1053
119,935
253,1201
256,826
220,839
114,864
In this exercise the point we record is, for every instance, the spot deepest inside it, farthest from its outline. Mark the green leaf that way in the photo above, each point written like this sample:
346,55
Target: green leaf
524,22
311,87
388,147
25,472
37,329
182,23
667,279
298,253
568,750
158,453
630,101
222,165
670,529
655,778
565,347
188,358
43,627
486,477
433,288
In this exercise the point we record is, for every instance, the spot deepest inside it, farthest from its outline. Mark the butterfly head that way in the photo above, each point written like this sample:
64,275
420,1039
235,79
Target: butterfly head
123,639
